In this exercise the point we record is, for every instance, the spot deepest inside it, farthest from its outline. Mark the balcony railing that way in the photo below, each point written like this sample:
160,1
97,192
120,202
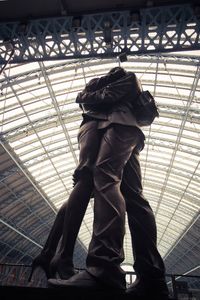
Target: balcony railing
181,287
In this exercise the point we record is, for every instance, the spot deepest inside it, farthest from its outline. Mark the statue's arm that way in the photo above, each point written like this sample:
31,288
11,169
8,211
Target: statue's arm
111,93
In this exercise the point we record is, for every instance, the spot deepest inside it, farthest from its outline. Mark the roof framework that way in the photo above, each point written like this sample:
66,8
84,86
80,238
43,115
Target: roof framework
107,34
39,151
39,126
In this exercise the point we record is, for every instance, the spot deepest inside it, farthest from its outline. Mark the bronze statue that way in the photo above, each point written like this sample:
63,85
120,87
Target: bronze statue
111,167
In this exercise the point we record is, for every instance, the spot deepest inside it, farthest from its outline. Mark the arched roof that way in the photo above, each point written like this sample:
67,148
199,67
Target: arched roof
39,124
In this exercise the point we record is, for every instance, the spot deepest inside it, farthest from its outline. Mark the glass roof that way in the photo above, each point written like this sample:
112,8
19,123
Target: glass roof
40,120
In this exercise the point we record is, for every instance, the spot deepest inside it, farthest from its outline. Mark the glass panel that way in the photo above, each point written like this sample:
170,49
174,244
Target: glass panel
40,122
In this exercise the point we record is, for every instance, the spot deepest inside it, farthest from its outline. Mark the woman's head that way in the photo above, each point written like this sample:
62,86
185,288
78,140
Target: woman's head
116,73
117,70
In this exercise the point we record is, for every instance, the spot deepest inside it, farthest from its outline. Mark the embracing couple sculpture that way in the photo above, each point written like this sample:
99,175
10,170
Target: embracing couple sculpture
110,140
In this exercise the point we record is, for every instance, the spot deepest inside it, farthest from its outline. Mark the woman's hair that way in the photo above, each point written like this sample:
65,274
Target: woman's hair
117,70
113,75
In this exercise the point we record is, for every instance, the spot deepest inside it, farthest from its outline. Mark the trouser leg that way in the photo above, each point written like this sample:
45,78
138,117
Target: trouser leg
75,211
55,234
142,225
106,248
89,141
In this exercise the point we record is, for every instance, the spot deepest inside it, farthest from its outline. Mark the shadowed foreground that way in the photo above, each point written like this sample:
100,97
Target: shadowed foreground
32,293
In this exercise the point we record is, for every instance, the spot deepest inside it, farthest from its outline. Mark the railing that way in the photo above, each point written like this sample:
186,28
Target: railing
181,287
108,34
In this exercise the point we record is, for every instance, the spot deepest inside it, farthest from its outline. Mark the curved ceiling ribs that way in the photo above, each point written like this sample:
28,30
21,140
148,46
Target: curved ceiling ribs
39,122
39,151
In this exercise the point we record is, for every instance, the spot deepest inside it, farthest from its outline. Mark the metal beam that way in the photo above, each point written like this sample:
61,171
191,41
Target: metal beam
149,30
178,140
4,145
57,109
60,67
20,233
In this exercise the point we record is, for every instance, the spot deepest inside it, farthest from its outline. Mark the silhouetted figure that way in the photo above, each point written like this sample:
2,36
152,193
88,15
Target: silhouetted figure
120,141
